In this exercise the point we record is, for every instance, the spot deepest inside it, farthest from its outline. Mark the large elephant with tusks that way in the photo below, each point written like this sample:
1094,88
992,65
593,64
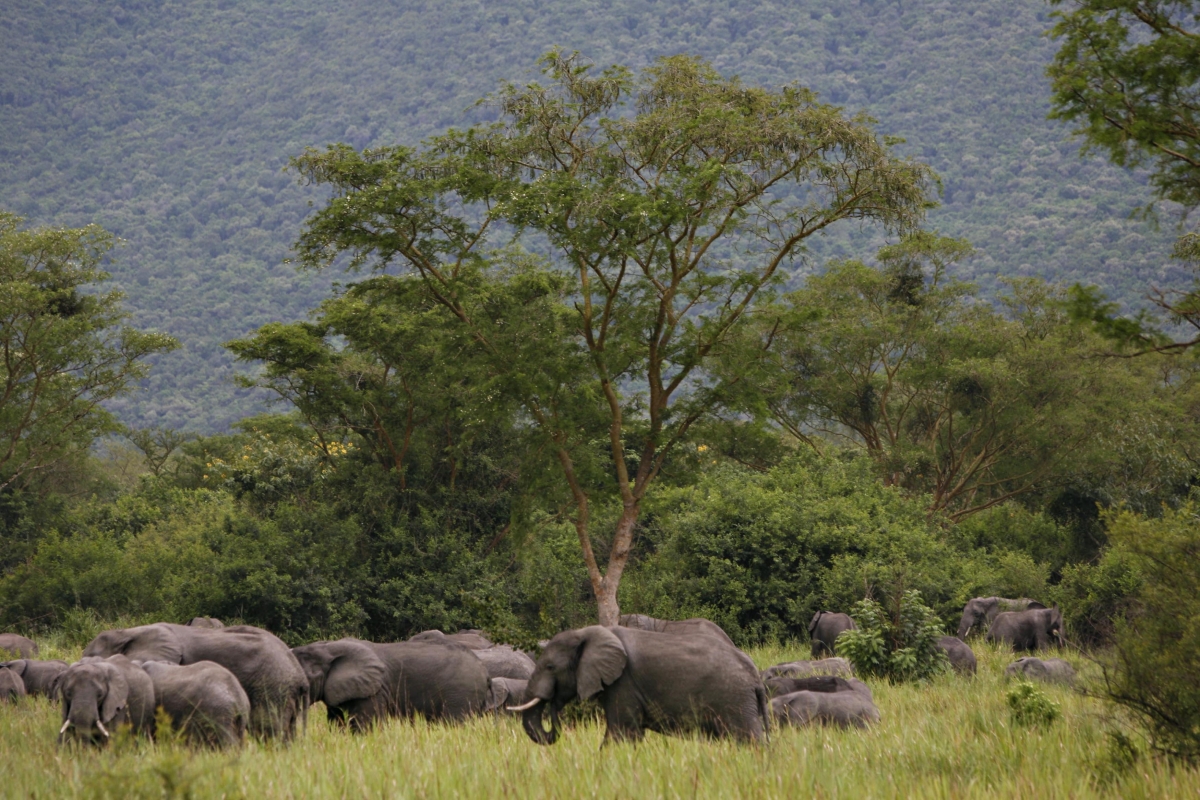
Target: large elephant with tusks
647,681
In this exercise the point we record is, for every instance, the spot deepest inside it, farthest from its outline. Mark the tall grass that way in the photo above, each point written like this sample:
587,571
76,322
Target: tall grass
951,738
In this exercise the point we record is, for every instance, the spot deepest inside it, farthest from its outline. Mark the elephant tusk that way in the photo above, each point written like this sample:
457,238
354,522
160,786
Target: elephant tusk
526,706
100,725
63,729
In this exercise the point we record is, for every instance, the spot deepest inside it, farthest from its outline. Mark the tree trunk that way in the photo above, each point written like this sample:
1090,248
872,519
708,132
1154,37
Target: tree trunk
608,609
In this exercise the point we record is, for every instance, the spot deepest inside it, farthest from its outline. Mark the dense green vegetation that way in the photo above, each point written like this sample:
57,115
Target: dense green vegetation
169,123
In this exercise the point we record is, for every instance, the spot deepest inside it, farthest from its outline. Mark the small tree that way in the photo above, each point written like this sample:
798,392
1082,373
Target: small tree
901,645
669,203
64,348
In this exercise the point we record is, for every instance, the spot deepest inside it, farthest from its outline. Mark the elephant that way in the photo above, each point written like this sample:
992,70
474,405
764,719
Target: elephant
982,610
474,639
205,622
815,683
18,645
851,709
824,629
363,682
647,681
502,661
12,688
264,666
1035,629
204,700
38,676
800,669
1050,670
503,692
98,694
684,627
962,659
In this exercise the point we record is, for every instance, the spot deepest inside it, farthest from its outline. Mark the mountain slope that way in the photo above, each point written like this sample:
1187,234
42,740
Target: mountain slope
169,122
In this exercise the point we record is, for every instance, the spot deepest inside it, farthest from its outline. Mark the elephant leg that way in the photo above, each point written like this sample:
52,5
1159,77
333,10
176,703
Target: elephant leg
624,720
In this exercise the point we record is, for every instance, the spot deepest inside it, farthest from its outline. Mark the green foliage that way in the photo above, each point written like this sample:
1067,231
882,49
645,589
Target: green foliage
1030,707
759,553
968,404
1149,670
1094,596
66,348
900,644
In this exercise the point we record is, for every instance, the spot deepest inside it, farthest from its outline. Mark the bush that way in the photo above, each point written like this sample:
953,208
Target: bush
760,552
1030,707
901,646
1094,596
1151,668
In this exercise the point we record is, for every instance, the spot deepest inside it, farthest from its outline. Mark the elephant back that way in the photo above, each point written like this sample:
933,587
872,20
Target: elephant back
18,646
444,681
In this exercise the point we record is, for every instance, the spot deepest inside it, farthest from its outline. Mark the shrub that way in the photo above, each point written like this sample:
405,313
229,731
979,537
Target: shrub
901,646
1029,705
1094,596
1151,668
760,553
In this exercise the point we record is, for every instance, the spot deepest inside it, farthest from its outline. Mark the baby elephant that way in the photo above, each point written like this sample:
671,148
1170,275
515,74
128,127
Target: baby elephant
828,684
39,676
800,669
962,659
504,692
205,701
845,709
824,629
1049,670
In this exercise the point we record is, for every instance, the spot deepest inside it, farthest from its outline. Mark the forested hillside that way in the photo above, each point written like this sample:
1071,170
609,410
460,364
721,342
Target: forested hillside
169,123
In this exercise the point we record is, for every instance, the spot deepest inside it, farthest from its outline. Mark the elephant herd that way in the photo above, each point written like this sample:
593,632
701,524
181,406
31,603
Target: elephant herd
217,683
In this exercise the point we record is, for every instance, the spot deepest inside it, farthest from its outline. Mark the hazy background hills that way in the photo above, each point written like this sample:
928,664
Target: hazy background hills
169,122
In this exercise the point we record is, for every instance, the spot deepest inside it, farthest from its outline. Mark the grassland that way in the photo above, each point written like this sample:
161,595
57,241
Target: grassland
952,738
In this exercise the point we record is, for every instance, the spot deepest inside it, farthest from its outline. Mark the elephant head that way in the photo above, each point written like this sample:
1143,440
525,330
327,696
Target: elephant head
574,664
1052,620
95,698
340,671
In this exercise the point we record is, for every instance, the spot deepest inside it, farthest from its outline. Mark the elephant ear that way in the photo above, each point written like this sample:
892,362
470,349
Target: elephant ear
812,626
117,697
602,659
19,666
1035,604
354,672
497,694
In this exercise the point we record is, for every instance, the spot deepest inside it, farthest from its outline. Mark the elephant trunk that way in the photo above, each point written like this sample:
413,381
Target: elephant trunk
531,720
83,723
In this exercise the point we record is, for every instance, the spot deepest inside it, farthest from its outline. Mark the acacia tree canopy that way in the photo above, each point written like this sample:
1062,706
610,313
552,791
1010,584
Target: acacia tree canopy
670,201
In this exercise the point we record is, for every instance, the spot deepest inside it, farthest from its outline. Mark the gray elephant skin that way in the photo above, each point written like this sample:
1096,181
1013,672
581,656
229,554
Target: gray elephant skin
824,629
474,639
205,622
1049,670
362,683
647,681
99,694
12,688
1035,629
844,709
18,645
262,663
800,669
38,676
828,684
503,661
961,657
505,692
696,626
979,612
206,703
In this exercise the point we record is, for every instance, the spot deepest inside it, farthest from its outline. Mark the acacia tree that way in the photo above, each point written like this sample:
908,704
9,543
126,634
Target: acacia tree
64,349
670,202
953,399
